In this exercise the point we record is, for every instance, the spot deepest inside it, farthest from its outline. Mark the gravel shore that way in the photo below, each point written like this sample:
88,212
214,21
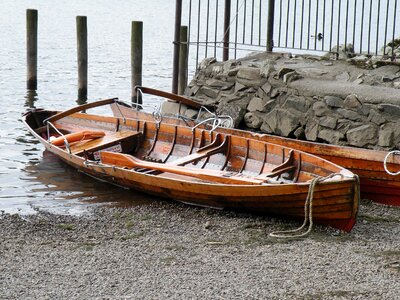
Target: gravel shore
167,250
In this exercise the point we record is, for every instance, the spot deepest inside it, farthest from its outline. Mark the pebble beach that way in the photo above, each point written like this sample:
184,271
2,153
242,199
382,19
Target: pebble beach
167,250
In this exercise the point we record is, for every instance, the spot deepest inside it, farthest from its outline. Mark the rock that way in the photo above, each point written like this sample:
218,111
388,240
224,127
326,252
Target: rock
233,110
270,105
297,103
352,102
388,78
376,117
330,136
333,101
221,85
389,135
299,133
266,87
344,51
239,87
282,122
396,85
284,71
206,62
345,76
267,68
328,121
190,113
349,114
249,76
253,120
362,136
320,109
311,131
291,76
170,108
208,92
390,109
265,128
256,104
358,81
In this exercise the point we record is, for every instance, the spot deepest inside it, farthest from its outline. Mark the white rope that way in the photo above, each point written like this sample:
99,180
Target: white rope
308,213
385,162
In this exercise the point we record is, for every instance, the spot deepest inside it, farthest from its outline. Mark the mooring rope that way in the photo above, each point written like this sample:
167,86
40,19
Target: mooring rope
308,212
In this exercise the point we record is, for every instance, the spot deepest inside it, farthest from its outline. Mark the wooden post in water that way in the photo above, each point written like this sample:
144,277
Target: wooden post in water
82,44
31,44
183,60
136,59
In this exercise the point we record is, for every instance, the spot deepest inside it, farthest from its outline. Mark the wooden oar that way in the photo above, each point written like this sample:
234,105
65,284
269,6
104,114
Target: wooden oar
125,160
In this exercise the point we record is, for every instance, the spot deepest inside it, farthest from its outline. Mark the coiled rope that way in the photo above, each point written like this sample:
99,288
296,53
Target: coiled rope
308,216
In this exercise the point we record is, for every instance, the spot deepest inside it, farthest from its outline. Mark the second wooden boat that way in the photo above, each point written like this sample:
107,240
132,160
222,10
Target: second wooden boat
199,167
377,184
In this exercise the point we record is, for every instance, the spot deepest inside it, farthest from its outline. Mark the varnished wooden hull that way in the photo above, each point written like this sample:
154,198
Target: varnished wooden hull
376,184
335,201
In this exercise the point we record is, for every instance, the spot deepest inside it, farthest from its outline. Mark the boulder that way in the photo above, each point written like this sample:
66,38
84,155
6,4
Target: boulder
333,101
234,110
297,103
170,108
311,130
352,102
363,135
375,117
282,122
349,114
256,104
328,121
250,76
253,120
330,136
320,109
389,135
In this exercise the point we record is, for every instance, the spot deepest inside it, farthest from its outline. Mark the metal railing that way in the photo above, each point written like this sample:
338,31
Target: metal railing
226,28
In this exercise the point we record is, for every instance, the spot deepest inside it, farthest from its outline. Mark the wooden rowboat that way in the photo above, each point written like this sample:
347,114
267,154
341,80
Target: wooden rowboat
199,167
376,183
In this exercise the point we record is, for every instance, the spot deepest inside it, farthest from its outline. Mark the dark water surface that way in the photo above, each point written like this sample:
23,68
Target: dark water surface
31,179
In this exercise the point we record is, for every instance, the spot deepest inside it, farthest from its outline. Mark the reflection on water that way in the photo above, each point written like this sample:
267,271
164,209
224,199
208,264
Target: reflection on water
30,98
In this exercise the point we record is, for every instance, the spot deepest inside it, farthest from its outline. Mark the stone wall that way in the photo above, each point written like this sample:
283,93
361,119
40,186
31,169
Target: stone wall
353,102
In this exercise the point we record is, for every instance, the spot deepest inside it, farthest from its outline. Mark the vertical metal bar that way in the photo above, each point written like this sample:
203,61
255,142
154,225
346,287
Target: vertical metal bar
354,24
309,24
252,22
175,69
244,20
323,25
294,23
302,24
216,28
347,24
394,26
198,32
227,18
362,25
338,30
331,31
189,27
270,25
369,27
287,23
208,21
386,27
236,25
377,27
259,23
183,60
316,25
280,22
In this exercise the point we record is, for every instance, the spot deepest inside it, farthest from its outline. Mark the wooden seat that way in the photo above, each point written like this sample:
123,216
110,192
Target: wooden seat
110,139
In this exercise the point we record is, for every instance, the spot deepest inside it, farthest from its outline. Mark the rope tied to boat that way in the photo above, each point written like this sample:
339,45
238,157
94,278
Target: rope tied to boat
308,212
386,160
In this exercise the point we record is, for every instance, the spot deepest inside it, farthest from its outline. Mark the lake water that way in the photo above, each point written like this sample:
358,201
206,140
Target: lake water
31,179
